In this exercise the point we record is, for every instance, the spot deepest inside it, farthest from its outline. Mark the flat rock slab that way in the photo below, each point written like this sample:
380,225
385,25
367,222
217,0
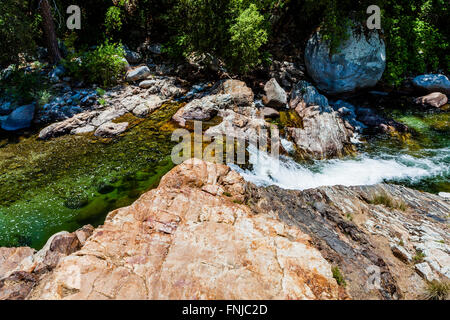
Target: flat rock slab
110,129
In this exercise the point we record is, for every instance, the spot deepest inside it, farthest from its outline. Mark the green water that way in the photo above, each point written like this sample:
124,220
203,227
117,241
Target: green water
64,183
427,144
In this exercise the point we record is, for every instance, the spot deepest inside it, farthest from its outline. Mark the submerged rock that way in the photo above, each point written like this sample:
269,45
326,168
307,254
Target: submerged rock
358,63
432,83
19,119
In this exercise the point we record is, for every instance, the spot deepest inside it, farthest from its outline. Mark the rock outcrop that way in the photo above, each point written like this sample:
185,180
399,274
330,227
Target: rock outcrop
384,251
323,134
194,238
22,268
359,62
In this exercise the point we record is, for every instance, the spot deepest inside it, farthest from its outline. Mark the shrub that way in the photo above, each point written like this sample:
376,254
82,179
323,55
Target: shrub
17,31
418,258
103,65
248,35
436,290
24,86
231,30
338,276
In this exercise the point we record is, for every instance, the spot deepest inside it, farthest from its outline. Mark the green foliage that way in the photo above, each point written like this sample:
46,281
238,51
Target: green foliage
418,258
113,19
16,31
415,43
337,274
104,65
248,35
43,97
24,86
437,290
234,31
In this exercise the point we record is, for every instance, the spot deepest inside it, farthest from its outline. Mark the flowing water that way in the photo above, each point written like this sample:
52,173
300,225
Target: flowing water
64,183
420,160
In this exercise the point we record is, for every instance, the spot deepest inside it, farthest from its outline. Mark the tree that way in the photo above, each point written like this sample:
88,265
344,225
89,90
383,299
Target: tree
49,31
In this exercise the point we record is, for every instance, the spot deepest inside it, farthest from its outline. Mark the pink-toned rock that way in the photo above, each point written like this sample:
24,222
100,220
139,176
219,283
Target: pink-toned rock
180,241
242,95
435,99
12,259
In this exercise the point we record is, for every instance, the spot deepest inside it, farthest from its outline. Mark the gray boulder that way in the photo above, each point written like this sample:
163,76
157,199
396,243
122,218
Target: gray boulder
432,83
110,129
359,62
137,74
275,96
132,56
323,133
20,118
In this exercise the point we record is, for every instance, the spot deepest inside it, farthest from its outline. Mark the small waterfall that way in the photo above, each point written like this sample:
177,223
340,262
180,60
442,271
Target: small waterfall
362,170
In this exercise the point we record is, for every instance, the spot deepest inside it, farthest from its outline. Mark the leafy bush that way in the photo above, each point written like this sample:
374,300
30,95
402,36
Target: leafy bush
23,86
16,31
103,65
232,30
248,35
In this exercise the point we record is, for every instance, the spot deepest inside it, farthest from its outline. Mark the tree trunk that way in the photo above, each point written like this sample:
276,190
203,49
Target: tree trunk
49,32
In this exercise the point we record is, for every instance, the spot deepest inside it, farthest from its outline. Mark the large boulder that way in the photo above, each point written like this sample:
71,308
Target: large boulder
432,83
359,62
20,118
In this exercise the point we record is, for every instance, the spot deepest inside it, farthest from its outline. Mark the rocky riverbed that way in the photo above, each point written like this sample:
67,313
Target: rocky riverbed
205,233
355,207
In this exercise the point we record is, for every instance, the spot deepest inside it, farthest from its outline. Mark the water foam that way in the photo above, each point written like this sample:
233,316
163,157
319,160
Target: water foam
363,170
